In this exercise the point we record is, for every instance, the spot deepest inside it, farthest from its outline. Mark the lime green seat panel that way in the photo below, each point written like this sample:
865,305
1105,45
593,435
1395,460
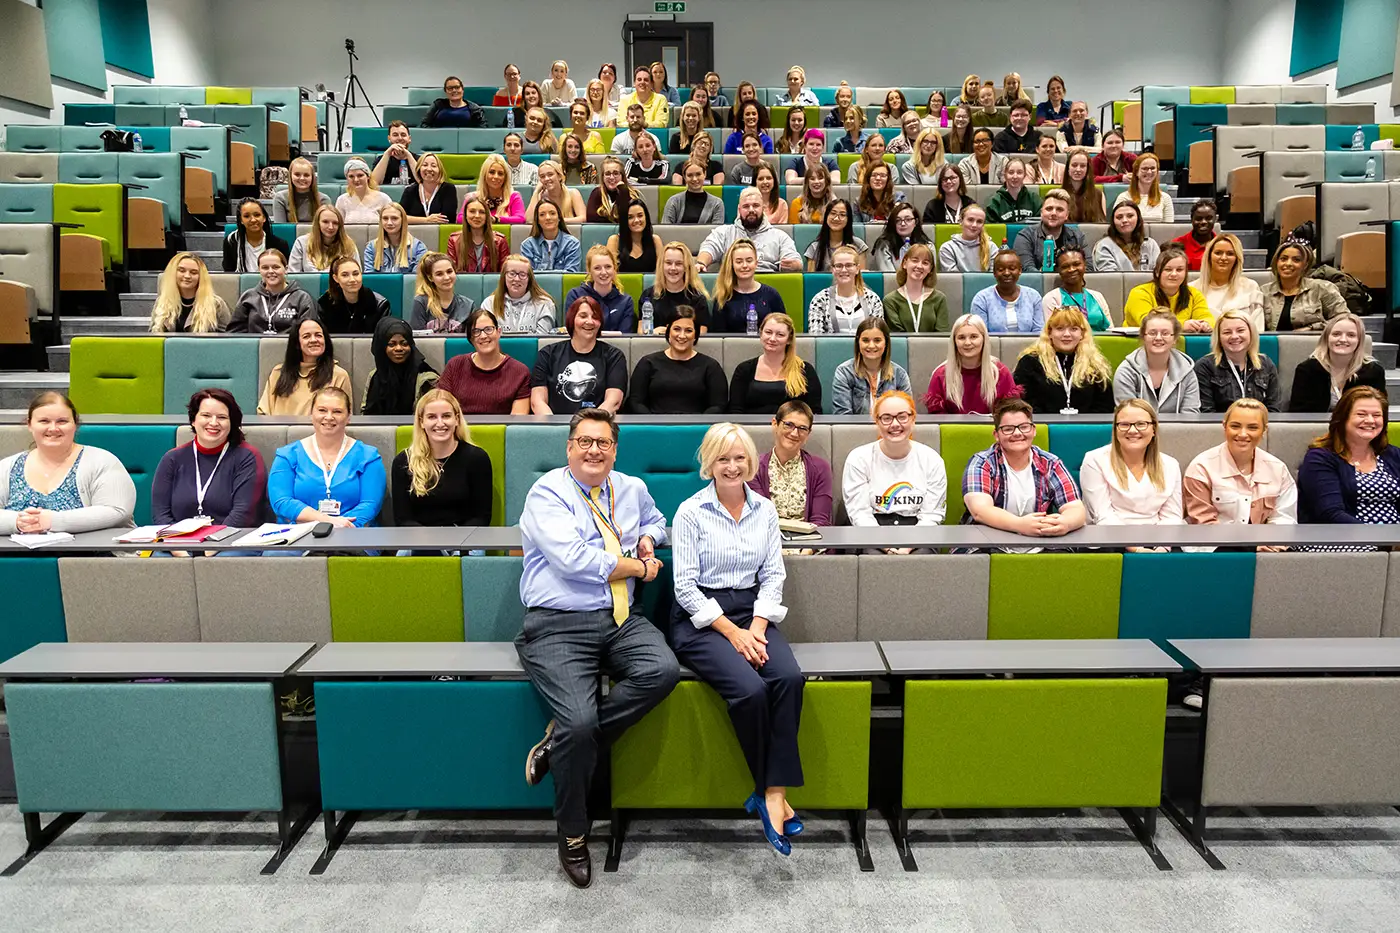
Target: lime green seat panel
216,96
369,600
1033,743
1014,612
956,444
790,286
684,754
97,210
117,375
462,169
490,438
1213,95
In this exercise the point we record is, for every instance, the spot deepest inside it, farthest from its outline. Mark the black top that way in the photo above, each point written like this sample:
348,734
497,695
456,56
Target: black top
663,309
396,171
1007,141
645,263
578,380
694,202
1221,384
462,495
233,253
1048,398
182,324
937,211
442,114
1312,384
733,318
663,386
358,318
443,201
748,396
658,174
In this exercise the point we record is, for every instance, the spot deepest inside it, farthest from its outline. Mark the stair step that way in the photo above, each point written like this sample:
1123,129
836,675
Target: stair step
1256,260
144,282
1385,353
106,326
203,240
137,304
17,389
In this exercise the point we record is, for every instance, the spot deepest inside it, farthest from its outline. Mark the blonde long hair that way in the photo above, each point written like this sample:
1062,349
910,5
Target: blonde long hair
692,277
1217,352
939,157
1090,365
1151,457
315,247
496,159
313,194
1154,195
547,142
381,242
794,374
427,287
423,468
204,318
724,281
1236,274
952,369
1358,356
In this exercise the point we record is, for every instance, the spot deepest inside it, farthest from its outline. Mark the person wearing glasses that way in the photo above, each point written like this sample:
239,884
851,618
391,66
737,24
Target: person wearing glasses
895,480
1015,486
587,532
486,381
1130,481
797,480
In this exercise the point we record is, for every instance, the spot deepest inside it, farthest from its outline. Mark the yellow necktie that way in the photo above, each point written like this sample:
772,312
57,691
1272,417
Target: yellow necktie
613,546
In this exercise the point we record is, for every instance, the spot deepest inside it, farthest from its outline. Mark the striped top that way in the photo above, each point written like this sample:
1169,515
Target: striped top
710,549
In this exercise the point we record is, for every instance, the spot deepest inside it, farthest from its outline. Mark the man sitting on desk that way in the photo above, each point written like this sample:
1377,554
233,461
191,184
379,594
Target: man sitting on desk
586,532
1015,486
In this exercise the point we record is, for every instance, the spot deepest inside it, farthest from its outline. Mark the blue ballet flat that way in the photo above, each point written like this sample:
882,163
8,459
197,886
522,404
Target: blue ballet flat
755,804
792,827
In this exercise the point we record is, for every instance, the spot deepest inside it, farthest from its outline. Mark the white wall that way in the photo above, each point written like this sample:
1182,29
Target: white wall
1258,41
874,42
181,40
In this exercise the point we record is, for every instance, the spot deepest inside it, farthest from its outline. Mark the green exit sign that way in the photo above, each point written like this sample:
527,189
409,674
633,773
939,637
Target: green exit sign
672,7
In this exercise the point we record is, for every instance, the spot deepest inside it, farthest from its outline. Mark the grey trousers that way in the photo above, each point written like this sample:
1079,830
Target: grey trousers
564,654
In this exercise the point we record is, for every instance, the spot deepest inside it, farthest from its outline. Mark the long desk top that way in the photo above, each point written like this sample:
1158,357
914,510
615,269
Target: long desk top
1290,655
135,660
390,539
1070,656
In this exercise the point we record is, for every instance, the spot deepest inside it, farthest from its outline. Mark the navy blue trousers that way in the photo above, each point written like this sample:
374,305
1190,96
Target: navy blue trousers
765,704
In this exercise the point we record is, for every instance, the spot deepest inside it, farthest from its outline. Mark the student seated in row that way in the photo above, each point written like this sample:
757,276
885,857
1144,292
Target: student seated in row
1019,137
430,200
271,306
916,306
58,484
894,480
1070,266
581,372
186,302
326,242
486,381
1008,306
298,201
394,249
762,384
1238,482
328,476
695,205
550,248
903,231
870,372
677,285
397,165
619,314
217,474
1234,368
1195,240
442,479
1338,363
348,307
635,244
400,376
1015,486
1351,474
362,200
1157,370
1224,285
1127,247
1030,245
518,300
1168,289
307,367
847,302
436,305
798,481
835,233
774,247
1015,202
454,110
1129,481
1294,300
678,380
1064,372
1145,190
568,202
250,237
970,249
971,381
522,174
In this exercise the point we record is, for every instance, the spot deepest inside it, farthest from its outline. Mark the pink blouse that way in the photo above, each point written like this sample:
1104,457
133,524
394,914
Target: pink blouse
512,213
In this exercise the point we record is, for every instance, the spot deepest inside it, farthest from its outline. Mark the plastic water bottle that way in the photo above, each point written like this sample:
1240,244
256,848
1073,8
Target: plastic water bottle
648,318
751,321
1358,139
510,117
136,142
904,249
1047,255
1371,169
943,117
184,114
1003,243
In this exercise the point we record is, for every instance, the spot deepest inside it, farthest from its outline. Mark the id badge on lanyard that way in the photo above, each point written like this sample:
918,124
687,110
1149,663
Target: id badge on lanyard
1064,377
201,488
329,506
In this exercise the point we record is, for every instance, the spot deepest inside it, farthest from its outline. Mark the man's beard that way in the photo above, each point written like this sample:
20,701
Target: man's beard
753,226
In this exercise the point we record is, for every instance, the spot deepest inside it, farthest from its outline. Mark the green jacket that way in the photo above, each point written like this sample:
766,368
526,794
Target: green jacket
1001,209
934,319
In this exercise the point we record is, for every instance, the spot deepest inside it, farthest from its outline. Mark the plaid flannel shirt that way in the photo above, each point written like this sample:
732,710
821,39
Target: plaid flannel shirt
986,472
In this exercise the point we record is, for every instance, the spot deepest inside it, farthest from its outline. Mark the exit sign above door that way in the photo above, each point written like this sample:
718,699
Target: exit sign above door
674,6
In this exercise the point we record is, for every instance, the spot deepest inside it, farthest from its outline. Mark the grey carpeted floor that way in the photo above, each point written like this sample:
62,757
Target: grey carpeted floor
1296,872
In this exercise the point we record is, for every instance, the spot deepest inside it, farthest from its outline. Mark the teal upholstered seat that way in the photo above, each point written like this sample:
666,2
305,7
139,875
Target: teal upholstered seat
1070,442
169,746
26,204
531,452
408,746
663,456
1221,588
194,363
491,597
42,618
139,447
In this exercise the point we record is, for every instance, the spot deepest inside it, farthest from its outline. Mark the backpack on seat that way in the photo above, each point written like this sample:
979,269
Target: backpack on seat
269,179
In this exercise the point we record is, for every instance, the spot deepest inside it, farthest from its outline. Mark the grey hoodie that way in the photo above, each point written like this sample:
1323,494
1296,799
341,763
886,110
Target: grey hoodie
259,311
1180,390
773,245
959,255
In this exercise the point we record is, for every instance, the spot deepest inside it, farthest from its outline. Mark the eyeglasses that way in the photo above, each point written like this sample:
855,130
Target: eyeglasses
604,444
903,417
486,331
801,430
1011,430
847,266
1125,427
517,275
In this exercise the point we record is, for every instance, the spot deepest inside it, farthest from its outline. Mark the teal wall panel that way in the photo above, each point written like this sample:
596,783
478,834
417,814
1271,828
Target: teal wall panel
1317,33
126,36
1367,48
74,32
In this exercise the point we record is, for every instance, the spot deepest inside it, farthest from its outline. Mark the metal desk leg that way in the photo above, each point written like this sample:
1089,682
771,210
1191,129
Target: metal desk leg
1145,831
616,837
289,833
39,837
857,821
1194,829
335,835
899,829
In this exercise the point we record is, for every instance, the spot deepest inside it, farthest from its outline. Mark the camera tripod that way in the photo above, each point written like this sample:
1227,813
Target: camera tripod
351,99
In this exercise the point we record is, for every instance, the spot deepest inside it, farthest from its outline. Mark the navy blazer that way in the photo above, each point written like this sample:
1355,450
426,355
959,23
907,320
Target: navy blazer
1327,486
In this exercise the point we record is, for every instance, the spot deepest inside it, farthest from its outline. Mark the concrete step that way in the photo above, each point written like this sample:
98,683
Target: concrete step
1385,353
1256,260
137,304
143,282
17,389
59,357
205,240
105,326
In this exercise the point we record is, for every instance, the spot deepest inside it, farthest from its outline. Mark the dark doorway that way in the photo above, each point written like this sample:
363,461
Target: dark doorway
687,49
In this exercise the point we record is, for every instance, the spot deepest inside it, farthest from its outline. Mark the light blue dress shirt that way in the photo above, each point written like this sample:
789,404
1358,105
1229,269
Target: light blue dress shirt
1030,316
712,550
566,564
295,482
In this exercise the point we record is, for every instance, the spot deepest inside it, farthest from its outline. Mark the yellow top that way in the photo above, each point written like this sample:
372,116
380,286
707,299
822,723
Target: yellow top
658,109
1142,299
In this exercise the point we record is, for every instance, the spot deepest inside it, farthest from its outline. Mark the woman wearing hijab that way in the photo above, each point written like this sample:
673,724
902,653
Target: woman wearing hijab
400,373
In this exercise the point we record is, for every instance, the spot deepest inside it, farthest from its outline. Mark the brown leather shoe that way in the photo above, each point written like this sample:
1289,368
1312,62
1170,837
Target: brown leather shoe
574,859
537,759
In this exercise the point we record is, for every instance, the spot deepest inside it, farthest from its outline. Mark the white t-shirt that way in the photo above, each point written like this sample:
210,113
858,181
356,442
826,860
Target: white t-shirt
251,254
915,486
1009,307
846,313
1020,499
